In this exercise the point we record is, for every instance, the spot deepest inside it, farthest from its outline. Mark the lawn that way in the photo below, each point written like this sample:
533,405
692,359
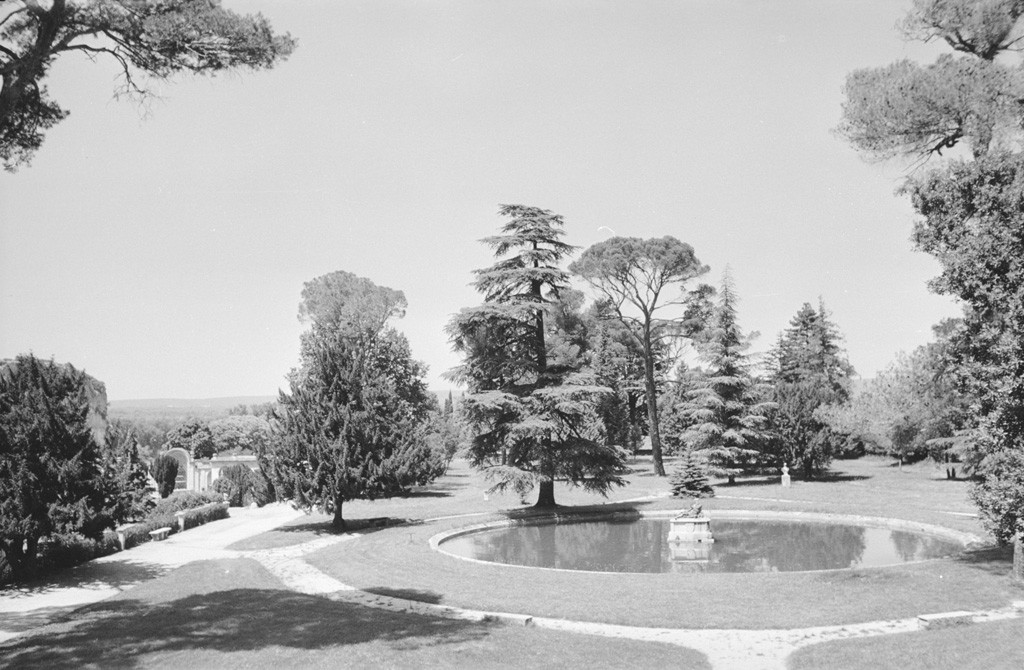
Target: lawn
233,613
398,557
979,647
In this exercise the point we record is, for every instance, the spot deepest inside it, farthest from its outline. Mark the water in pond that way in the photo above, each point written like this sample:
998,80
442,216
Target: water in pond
739,546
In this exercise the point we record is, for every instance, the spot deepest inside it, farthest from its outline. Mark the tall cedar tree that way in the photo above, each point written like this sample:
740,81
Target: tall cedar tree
51,468
633,276
143,37
726,414
354,423
532,411
811,373
971,210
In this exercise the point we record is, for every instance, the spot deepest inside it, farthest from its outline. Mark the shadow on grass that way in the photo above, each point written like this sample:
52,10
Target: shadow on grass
94,574
319,528
435,493
568,511
993,559
122,633
407,594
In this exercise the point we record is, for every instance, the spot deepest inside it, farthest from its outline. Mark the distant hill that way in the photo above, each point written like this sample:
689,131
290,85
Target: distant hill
190,403
205,408
168,412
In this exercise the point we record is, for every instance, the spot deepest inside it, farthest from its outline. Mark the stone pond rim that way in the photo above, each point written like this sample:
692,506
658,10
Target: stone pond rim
963,539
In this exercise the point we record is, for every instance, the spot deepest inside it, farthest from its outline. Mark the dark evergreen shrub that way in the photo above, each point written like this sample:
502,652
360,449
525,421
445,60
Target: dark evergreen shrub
690,478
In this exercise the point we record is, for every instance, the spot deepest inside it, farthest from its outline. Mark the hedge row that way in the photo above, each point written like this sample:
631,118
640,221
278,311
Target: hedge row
138,533
182,500
68,549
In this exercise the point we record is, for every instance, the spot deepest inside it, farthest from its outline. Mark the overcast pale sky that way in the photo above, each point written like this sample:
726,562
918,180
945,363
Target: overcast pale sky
163,248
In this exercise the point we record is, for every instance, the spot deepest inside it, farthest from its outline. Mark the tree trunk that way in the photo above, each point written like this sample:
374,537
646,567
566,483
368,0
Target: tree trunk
1018,558
652,405
337,522
546,497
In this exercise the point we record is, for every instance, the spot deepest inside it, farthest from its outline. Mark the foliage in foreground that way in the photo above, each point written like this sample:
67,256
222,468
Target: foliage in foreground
51,467
145,38
971,208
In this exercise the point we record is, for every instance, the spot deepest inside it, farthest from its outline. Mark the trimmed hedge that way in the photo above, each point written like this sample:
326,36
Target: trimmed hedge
205,514
138,533
68,550
183,500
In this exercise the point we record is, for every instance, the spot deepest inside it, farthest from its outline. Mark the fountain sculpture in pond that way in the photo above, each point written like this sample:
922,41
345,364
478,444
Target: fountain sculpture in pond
691,526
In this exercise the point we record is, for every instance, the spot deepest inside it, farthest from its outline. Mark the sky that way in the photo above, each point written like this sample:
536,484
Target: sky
163,246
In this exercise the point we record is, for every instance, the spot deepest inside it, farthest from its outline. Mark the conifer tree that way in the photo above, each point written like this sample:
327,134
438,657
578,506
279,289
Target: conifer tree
726,414
690,478
812,372
165,472
354,424
51,475
129,494
531,409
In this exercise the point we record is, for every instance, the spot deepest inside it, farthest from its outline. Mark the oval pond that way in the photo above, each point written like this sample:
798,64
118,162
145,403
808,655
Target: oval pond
740,546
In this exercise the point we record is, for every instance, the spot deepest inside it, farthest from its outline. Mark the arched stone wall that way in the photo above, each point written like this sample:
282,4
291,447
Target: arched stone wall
185,469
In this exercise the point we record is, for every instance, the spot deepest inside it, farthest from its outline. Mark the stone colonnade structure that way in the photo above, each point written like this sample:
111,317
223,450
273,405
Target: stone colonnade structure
198,474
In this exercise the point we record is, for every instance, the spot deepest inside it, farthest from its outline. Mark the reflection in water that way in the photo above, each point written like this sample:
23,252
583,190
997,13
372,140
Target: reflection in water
740,546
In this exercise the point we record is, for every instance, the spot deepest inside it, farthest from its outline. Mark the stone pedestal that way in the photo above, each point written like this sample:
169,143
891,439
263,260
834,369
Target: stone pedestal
690,552
786,480
690,529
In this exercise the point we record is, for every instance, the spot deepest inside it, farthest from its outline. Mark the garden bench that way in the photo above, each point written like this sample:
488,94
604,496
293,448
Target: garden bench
160,533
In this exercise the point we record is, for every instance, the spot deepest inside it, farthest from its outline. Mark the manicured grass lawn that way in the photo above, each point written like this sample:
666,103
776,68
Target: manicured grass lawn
399,558
233,613
979,647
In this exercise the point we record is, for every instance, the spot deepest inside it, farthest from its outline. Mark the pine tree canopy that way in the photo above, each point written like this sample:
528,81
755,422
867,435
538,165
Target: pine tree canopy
143,37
